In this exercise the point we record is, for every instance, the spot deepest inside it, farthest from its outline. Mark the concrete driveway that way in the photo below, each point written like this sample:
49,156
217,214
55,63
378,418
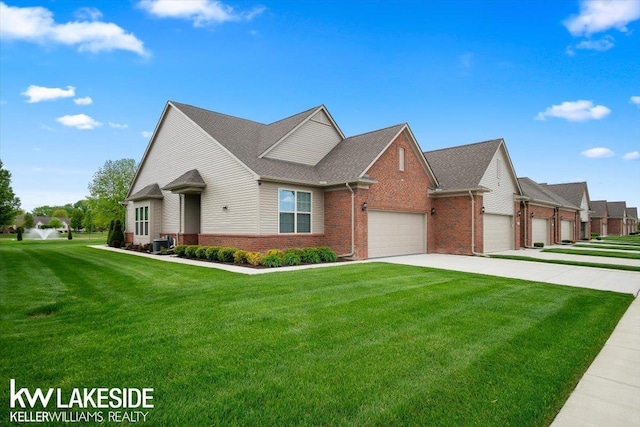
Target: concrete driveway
583,277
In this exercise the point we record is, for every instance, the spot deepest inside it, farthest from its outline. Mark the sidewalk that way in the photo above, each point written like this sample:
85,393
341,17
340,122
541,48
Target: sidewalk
537,253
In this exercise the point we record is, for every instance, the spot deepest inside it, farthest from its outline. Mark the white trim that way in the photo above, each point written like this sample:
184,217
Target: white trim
295,211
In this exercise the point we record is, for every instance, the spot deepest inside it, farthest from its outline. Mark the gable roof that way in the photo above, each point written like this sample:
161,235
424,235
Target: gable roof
462,167
571,191
191,179
632,213
599,208
151,191
539,193
616,209
248,141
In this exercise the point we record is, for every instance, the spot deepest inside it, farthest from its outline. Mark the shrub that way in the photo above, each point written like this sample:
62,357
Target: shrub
117,235
190,252
19,237
179,250
594,235
327,254
272,260
254,258
110,233
276,252
310,255
201,252
163,251
226,254
69,235
291,257
538,245
212,253
240,256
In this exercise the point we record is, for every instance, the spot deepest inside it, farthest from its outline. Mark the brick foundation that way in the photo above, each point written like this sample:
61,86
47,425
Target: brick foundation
262,243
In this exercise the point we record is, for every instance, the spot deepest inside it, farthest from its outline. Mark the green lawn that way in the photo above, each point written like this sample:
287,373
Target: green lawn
625,247
566,262
606,254
360,344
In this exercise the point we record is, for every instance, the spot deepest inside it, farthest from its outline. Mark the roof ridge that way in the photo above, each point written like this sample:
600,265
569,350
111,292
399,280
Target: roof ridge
216,112
376,130
466,145
297,114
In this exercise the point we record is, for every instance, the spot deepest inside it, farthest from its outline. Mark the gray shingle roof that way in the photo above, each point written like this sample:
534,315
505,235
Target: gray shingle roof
191,178
599,208
572,191
462,167
632,213
246,140
540,193
616,209
151,191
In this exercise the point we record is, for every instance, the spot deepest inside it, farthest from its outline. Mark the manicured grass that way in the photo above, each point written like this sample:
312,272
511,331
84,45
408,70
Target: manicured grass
360,344
622,240
566,262
607,254
616,247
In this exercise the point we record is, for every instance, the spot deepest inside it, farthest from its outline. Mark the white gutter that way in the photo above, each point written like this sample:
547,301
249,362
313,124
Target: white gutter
353,223
473,227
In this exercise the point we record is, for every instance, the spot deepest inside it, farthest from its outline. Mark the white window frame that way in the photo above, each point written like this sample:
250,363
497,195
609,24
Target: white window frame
141,221
401,159
295,211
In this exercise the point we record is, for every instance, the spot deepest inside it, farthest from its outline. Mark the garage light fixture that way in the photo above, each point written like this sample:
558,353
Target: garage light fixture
519,213
433,211
364,206
482,210
531,214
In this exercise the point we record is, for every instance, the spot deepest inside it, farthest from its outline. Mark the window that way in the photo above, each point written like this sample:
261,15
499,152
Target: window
401,159
294,208
142,221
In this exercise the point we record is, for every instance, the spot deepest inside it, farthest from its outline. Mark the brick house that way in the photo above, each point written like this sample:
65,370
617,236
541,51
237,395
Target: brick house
212,179
546,216
617,220
599,217
577,193
476,204
632,220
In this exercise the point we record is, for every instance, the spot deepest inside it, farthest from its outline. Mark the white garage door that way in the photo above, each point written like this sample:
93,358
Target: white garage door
540,230
566,230
498,233
396,233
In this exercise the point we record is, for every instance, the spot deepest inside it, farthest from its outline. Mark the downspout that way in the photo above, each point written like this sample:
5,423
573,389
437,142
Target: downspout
557,225
473,227
353,223
526,229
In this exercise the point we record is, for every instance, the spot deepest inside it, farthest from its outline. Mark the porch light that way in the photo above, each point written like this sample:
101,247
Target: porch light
519,213
433,211
531,214
482,210
364,206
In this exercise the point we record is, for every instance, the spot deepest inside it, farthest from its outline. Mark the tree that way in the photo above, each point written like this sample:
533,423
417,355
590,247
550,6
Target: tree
109,188
9,203
77,216
28,220
117,237
60,213
45,210
55,223
88,221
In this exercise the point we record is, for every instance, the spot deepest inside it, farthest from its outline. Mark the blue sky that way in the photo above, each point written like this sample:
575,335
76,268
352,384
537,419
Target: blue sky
83,82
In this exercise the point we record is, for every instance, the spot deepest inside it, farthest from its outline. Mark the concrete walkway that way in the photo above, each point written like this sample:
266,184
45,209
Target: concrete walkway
537,253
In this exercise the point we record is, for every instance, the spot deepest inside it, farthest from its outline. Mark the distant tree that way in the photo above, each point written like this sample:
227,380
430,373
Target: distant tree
83,205
117,237
69,235
110,232
77,216
60,213
28,220
55,223
108,190
87,221
19,234
43,211
9,203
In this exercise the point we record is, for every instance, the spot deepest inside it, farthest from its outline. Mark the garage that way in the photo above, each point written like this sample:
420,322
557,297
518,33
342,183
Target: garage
540,230
396,233
498,233
566,230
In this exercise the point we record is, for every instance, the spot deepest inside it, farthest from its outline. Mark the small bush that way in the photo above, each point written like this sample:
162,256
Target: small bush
191,251
226,254
69,235
276,252
594,235
327,254
163,251
19,237
291,257
212,253
201,252
272,260
538,245
179,250
310,255
254,258
240,257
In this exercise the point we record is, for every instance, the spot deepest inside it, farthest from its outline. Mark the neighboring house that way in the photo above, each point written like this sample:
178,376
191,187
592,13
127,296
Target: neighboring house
547,217
40,221
632,220
599,217
617,221
476,203
212,179
577,193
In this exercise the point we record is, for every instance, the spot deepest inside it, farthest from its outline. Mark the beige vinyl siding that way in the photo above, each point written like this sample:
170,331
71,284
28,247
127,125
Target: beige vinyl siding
269,215
501,182
155,218
584,209
309,143
180,146
130,226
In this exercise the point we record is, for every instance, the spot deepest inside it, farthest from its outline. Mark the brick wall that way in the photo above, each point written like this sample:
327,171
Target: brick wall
517,230
597,226
128,237
451,225
568,216
614,227
261,243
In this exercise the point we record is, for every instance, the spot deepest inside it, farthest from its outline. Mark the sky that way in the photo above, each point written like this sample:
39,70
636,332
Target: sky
83,82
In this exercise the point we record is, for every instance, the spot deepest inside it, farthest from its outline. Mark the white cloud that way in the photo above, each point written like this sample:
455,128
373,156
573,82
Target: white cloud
601,45
146,134
83,101
601,15
36,24
201,12
598,153
79,121
635,100
634,155
41,93
575,111
88,14
118,125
